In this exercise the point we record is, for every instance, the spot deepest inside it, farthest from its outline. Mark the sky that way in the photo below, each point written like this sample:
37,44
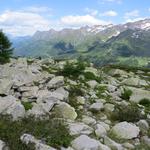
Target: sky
25,17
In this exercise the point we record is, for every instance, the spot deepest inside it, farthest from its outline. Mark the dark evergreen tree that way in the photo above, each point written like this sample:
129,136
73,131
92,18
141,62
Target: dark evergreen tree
5,48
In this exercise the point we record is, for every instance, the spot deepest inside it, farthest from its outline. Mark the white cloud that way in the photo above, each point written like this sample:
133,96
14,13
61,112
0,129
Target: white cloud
110,13
134,13
22,23
92,12
110,1
77,21
135,19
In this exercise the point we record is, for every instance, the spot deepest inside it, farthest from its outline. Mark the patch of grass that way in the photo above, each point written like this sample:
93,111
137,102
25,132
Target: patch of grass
53,132
130,113
27,105
91,76
142,146
126,94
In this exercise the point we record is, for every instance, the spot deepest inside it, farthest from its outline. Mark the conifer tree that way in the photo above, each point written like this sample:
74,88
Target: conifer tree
5,48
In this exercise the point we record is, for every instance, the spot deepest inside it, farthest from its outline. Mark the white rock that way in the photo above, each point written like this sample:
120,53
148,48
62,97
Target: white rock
10,106
100,131
3,145
5,86
92,84
56,82
79,128
66,111
138,94
109,107
125,130
40,109
146,140
143,125
112,144
97,106
84,142
88,120
64,94
106,126
31,92
81,100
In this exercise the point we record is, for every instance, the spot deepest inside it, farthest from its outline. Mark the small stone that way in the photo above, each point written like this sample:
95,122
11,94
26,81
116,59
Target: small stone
100,131
97,106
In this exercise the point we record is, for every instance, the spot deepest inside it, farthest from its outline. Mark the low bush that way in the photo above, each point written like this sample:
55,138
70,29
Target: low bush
91,76
145,102
72,70
130,113
53,132
126,94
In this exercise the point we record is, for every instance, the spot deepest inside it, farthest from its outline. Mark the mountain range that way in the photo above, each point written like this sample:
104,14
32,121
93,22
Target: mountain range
102,44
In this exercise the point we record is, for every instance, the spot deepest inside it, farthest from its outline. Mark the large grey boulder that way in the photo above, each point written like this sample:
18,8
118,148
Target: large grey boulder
84,142
29,139
138,94
23,77
79,128
10,106
5,86
125,130
56,82
134,82
64,110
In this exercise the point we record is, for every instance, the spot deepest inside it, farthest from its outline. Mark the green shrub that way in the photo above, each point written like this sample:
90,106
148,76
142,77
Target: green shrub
91,76
55,133
126,94
72,70
27,105
130,113
145,102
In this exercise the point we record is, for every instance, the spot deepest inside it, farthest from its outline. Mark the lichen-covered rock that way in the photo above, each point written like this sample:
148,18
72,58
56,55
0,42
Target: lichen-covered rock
56,82
125,130
64,110
100,131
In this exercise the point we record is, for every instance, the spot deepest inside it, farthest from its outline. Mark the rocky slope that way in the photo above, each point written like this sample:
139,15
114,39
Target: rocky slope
98,108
